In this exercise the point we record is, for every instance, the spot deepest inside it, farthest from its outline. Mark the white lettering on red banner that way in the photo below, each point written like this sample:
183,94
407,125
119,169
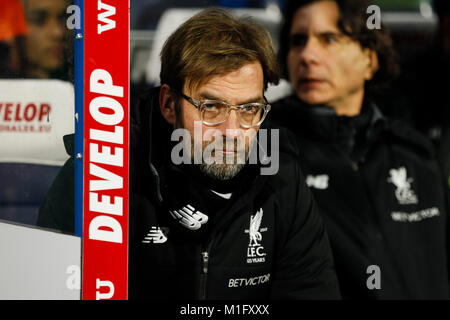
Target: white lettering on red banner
105,166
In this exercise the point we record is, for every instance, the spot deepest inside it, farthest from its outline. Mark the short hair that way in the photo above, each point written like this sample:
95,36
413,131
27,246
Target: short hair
214,42
352,22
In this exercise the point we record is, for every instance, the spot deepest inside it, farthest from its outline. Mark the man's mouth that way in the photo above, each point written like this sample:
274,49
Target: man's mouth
56,51
227,152
308,81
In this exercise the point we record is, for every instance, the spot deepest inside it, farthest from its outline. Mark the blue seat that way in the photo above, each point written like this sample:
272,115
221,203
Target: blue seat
34,117
23,187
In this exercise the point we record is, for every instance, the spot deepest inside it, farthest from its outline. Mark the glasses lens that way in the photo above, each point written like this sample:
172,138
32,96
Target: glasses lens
214,111
251,114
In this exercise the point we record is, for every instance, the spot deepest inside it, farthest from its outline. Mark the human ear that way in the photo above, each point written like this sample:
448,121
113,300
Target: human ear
372,64
167,104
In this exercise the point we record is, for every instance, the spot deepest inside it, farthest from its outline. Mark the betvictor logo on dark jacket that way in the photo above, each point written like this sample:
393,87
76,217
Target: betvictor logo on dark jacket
379,191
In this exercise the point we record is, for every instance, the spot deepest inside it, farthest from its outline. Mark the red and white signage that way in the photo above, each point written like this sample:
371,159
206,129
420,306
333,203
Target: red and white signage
33,120
106,149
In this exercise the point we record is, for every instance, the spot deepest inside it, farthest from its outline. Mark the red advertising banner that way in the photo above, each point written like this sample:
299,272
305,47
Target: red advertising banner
106,149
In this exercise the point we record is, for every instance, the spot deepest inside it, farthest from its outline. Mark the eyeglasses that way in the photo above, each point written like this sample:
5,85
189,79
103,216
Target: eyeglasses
215,112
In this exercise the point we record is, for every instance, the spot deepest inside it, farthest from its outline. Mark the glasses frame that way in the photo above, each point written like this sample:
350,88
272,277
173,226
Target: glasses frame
199,104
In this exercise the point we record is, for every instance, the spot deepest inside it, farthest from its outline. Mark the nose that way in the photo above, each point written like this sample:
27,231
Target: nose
56,28
310,53
231,127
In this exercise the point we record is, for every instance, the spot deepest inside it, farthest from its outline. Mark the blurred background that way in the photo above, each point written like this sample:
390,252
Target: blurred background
36,102
36,79
414,26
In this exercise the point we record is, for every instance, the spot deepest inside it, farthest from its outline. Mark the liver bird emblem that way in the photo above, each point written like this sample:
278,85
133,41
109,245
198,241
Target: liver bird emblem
255,223
403,192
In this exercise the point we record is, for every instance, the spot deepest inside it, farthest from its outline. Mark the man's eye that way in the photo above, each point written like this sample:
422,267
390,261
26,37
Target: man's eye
329,38
249,108
38,18
298,40
210,106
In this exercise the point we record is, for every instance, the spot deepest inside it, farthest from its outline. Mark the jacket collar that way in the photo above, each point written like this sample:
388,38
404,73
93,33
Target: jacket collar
323,123
149,139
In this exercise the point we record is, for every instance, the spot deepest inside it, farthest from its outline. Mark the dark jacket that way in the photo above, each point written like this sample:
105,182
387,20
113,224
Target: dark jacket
267,241
378,187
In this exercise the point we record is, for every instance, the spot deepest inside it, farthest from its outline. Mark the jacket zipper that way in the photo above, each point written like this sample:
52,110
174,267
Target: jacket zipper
204,274
205,254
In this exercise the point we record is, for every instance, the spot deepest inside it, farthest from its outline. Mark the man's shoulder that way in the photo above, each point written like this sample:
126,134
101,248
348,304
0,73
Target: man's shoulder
286,102
287,155
285,110
402,134
288,144
141,109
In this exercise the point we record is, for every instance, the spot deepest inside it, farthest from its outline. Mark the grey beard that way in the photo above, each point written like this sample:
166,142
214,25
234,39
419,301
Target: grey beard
227,168
221,171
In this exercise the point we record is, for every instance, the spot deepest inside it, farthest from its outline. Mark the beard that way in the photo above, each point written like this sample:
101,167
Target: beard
219,165
221,171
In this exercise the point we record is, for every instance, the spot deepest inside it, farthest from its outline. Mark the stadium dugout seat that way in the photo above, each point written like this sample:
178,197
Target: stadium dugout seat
34,117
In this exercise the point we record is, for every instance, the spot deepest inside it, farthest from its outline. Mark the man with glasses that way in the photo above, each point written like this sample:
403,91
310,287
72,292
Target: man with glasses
206,220
376,181
232,143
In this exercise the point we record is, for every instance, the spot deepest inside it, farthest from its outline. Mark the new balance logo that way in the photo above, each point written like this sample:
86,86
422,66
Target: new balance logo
226,196
317,182
189,217
156,235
